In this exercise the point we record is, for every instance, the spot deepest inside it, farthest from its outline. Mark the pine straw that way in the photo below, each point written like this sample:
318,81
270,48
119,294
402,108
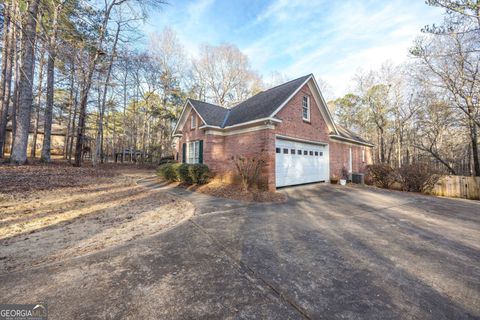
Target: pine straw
234,191
50,213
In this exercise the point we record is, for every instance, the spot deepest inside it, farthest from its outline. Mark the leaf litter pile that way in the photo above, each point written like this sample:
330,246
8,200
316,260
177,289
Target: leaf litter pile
49,213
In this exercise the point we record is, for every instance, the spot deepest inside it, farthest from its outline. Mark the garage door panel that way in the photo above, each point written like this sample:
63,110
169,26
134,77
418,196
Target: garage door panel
297,167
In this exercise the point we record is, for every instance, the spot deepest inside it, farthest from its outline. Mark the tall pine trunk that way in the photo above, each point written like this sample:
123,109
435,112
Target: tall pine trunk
52,51
6,76
70,111
99,138
33,151
25,94
86,87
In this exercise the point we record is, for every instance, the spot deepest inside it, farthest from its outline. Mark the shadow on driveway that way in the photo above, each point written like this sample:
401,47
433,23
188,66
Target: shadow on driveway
328,252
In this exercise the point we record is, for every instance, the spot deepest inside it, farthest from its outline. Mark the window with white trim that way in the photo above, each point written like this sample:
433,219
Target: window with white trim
306,108
193,150
363,155
193,121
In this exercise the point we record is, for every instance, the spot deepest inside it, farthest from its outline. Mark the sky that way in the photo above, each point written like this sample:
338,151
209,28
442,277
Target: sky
333,39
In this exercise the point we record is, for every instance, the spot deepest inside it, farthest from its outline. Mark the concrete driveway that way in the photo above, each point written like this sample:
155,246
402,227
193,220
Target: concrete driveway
330,252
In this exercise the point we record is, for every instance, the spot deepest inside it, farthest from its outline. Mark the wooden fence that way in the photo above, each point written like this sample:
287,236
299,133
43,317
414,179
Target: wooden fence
458,187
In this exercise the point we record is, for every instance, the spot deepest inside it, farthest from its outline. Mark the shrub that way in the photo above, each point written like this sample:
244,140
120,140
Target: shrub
381,175
169,171
249,170
187,173
168,159
184,173
199,173
417,177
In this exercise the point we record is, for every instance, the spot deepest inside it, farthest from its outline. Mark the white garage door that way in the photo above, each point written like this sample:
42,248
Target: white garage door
298,162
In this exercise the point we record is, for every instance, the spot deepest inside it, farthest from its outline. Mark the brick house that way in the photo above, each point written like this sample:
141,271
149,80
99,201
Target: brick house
289,125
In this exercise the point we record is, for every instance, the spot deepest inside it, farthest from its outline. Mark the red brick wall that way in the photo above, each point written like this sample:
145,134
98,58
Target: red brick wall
339,157
294,126
219,150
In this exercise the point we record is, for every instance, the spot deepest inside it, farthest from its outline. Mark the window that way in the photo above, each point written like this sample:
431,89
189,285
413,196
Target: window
193,152
306,108
292,151
285,151
194,122
316,153
277,150
363,155
305,152
299,152
321,154
311,153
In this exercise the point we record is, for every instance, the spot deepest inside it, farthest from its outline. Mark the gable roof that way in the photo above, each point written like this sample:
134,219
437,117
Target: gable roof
212,114
263,104
346,134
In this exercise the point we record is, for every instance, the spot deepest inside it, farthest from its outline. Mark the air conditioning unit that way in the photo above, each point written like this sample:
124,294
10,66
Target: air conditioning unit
358,178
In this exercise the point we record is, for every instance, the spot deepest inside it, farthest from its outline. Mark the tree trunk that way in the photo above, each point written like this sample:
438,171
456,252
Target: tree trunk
6,80
52,52
37,110
474,141
25,95
75,110
99,140
17,51
86,88
70,111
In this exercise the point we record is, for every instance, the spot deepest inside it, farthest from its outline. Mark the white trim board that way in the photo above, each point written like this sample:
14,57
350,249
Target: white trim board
283,137
239,131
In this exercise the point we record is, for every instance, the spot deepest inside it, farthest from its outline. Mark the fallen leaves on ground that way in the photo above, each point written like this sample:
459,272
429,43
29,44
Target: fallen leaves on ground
62,218
220,189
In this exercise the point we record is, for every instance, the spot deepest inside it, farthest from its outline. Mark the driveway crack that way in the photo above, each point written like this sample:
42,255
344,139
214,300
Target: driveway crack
252,272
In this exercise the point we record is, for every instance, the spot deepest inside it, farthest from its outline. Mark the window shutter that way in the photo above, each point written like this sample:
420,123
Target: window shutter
200,151
184,152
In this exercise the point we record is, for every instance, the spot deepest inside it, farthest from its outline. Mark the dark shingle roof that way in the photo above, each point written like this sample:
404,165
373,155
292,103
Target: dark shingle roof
263,104
212,114
345,133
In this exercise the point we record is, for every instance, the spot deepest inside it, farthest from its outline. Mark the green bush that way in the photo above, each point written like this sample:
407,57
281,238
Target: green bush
199,173
187,173
184,173
169,171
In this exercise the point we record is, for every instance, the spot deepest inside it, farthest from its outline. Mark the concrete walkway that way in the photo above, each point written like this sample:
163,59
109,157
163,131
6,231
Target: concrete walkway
329,252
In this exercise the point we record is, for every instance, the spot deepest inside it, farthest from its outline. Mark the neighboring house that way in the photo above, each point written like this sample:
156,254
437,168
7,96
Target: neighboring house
289,125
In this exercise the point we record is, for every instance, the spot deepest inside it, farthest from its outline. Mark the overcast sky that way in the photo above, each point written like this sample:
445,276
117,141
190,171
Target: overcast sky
331,39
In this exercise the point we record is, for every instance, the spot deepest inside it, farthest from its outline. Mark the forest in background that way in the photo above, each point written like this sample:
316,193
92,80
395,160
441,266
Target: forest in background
75,65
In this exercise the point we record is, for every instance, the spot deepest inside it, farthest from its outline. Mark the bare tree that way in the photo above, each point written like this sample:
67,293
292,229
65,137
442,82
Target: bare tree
223,75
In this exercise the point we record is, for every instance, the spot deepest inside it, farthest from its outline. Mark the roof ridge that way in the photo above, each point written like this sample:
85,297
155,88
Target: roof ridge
280,85
212,104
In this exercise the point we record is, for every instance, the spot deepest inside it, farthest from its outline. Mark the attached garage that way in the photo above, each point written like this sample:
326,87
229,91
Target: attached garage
299,162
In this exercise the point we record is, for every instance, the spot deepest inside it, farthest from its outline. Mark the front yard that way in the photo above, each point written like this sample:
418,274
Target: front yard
50,213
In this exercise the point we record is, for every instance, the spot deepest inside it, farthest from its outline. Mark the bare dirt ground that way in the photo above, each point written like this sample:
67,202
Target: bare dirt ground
49,213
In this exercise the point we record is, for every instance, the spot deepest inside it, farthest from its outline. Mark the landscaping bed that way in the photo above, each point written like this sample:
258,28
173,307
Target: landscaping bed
220,189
